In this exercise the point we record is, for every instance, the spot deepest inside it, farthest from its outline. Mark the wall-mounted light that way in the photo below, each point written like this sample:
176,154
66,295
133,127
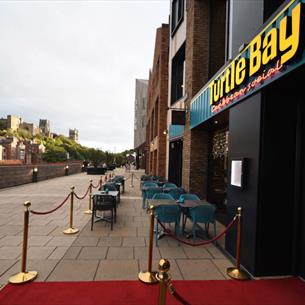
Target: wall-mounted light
165,132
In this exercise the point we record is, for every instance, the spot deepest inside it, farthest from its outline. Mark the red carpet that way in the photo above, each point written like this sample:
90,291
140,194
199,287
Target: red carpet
263,292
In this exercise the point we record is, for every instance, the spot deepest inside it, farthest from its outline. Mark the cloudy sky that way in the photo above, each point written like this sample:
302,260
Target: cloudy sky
75,63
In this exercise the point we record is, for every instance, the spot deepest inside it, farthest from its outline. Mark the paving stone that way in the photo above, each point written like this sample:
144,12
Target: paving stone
117,270
39,240
222,265
124,232
171,252
58,253
40,252
110,241
10,252
72,253
11,241
142,253
70,270
43,267
133,241
6,264
215,252
41,230
93,253
199,270
86,241
61,241
197,252
121,253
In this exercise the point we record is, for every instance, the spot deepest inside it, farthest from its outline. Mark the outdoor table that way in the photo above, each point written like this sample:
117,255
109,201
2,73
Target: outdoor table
157,202
148,188
113,194
192,203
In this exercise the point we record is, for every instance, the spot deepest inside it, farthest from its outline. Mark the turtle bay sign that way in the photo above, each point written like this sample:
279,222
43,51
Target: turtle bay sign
276,50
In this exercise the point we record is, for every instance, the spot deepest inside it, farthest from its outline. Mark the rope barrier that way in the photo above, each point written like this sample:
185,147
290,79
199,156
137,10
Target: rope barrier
81,198
95,187
175,294
51,211
206,242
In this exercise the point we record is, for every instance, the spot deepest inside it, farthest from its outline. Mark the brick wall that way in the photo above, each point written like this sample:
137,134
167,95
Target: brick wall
157,103
195,142
17,175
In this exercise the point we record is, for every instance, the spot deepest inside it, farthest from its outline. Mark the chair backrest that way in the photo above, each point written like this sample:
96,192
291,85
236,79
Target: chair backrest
150,184
150,193
203,213
184,197
168,213
110,187
103,202
163,196
177,192
168,185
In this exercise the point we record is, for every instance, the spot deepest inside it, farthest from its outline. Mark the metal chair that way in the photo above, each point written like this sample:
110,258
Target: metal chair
188,197
202,214
177,192
149,194
168,214
164,196
169,185
103,203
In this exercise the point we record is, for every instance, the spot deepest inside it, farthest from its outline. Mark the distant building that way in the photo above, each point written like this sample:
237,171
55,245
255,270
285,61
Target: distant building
3,123
30,127
140,121
44,126
73,134
13,122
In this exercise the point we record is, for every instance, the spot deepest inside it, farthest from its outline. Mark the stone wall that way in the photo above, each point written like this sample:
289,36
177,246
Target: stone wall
17,175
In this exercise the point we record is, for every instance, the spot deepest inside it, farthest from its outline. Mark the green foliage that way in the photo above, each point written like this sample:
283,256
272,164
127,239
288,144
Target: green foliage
58,147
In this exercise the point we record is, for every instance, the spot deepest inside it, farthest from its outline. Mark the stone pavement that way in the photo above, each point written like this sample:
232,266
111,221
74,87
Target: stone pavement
100,254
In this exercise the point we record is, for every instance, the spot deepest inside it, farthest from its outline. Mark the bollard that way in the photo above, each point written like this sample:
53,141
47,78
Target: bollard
235,272
35,175
67,170
24,276
89,211
71,229
149,277
101,182
163,279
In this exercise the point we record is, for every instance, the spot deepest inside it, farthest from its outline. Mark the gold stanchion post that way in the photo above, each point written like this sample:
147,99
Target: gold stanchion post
163,279
89,211
71,230
24,276
149,276
235,272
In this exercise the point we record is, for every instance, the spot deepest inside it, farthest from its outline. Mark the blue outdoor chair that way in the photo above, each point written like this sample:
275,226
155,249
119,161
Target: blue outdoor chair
163,196
188,197
169,185
149,195
147,184
202,214
177,192
168,214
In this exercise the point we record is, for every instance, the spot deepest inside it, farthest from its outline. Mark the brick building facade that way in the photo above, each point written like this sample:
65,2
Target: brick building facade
157,106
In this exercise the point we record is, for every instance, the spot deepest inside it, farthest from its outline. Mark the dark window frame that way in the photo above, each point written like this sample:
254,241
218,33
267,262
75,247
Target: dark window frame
177,15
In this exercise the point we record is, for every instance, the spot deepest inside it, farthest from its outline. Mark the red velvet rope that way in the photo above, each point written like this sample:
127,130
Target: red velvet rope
175,294
81,198
95,187
49,212
206,242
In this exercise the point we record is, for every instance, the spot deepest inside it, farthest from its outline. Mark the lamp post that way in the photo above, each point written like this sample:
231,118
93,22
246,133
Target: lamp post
35,175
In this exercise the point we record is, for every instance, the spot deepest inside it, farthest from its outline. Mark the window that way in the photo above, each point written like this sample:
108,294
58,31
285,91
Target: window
178,75
177,14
